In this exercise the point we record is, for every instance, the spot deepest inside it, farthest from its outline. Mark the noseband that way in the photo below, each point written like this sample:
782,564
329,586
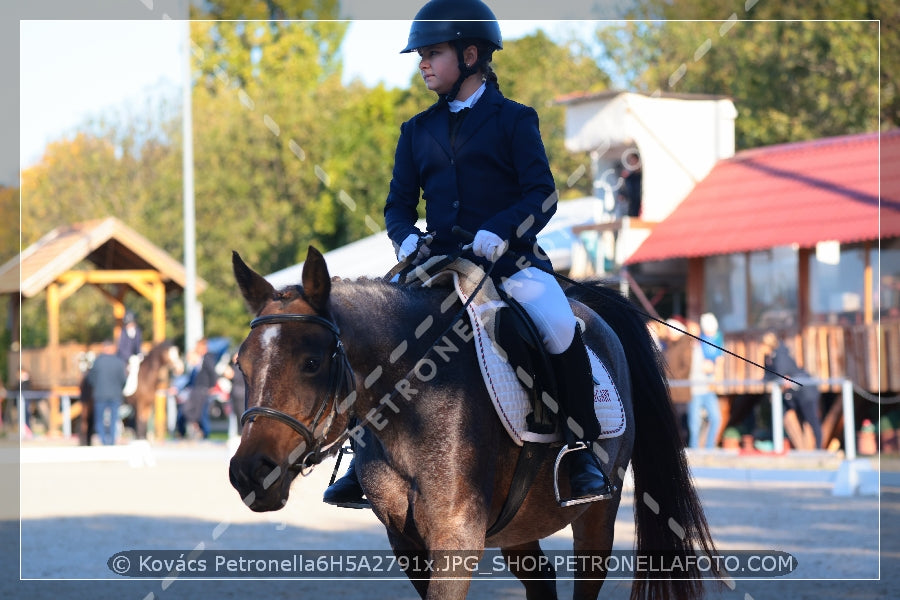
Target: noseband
341,383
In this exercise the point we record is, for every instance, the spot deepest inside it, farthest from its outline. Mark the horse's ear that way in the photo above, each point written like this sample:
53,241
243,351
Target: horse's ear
316,281
255,289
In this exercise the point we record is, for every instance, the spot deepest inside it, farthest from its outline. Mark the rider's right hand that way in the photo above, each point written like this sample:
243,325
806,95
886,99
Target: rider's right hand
409,245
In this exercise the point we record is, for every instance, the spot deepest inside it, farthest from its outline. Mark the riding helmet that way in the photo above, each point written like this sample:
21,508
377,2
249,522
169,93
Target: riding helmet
448,20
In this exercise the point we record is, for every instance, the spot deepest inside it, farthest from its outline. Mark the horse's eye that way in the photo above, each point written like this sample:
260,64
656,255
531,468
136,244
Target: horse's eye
311,365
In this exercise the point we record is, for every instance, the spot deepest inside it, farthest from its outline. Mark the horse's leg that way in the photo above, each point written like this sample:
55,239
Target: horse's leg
593,540
85,427
539,583
408,557
451,519
142,411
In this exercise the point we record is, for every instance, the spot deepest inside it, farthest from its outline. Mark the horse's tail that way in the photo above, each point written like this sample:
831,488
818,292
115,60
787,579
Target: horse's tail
668,515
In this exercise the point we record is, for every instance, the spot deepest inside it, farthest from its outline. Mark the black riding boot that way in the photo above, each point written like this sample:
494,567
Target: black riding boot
575,394
346,491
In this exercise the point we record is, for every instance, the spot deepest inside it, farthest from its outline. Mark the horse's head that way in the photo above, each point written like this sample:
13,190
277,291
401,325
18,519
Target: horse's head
296,373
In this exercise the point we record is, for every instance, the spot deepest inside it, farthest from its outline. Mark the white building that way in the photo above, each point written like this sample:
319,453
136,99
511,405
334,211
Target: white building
677,139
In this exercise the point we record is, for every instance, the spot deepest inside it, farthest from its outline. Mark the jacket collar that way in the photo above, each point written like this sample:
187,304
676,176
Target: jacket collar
437,121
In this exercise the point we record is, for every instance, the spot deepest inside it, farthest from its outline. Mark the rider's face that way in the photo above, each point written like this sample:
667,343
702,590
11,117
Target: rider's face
439,67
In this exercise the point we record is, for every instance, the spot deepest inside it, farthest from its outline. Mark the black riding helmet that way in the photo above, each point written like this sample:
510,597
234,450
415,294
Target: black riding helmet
447,20
457,22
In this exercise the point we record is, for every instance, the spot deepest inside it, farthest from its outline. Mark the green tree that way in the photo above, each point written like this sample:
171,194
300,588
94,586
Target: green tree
285,155
791,79
9,227
239,10
565,68
271,153
125,167
9,248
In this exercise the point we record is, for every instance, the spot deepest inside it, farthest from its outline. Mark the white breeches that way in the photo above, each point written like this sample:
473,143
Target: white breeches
546,304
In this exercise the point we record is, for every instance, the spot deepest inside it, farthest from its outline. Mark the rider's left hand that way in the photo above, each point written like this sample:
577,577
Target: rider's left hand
488,244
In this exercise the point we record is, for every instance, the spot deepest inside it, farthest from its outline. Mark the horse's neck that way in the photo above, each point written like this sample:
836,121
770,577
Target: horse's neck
372,318
383,333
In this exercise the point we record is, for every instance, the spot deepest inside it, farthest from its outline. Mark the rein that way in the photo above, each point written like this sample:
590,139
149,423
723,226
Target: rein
341,382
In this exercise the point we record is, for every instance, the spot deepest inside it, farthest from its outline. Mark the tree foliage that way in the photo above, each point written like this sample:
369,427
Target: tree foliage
791,78
9,225
564,68
128,167
286,156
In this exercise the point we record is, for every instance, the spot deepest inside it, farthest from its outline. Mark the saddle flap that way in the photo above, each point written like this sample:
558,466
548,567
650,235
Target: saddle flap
518,339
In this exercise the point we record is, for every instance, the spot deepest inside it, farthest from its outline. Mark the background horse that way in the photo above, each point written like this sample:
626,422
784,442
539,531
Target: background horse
156,370
435,461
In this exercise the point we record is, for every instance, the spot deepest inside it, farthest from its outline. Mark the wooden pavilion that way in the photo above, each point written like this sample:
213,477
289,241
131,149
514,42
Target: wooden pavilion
104,253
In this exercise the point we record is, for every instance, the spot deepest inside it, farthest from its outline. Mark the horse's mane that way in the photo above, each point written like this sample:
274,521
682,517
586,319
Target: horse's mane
372,291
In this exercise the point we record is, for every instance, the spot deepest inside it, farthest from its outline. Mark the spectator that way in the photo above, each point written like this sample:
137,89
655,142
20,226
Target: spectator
235,395
703,399
631,183
712,338
107,378
803,399
196,409
182,389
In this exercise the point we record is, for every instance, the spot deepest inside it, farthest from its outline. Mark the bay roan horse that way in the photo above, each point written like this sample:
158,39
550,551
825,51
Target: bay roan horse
155,373
435,461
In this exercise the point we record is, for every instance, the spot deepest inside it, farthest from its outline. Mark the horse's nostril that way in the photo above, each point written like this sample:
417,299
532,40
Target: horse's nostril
253,472
235,476
264,469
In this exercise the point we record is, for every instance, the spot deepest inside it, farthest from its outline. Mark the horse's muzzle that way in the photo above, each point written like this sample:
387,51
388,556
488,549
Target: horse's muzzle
261,482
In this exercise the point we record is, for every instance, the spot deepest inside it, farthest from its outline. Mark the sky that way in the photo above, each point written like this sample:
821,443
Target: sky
72,71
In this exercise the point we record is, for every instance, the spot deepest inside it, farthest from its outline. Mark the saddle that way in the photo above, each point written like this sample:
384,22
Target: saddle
512,359
517,373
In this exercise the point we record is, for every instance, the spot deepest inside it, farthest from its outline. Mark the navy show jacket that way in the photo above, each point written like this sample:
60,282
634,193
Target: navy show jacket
494,176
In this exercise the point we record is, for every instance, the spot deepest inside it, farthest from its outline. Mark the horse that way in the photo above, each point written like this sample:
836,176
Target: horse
155,371
433,458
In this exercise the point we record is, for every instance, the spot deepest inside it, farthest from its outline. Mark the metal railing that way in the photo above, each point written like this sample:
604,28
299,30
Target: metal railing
777,400
25,396
775,395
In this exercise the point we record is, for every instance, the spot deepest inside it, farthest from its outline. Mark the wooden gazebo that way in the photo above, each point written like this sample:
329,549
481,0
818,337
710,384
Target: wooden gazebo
60,263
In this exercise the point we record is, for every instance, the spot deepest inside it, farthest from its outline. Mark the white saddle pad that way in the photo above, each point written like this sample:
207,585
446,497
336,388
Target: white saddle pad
507,388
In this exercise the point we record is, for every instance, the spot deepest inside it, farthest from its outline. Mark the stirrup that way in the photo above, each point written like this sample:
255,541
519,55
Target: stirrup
577,447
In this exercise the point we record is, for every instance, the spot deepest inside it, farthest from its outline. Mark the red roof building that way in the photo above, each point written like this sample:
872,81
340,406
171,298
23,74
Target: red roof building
799,239
796,194
802,239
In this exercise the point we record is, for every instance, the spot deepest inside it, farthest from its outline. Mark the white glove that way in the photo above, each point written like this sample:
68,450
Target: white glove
409,246
488,244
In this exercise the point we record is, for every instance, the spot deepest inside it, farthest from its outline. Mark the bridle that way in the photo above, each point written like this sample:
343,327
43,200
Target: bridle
341,383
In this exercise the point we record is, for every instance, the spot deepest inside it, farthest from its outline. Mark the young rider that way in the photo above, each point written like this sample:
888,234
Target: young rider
478,160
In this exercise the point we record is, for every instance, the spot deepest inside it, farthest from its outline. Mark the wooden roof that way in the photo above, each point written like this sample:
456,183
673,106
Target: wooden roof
107,243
